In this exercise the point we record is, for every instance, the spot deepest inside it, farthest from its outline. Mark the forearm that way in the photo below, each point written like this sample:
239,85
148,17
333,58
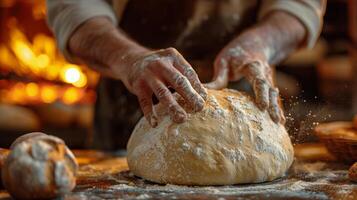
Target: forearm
100,45
275,37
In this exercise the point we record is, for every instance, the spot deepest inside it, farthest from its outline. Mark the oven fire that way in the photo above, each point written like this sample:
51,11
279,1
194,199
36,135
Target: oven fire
34,72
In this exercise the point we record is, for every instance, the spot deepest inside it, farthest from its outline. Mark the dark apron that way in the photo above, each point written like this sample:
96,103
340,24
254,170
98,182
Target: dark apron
157,24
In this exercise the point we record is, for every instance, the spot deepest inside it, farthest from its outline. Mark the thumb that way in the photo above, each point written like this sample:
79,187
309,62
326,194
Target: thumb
220,78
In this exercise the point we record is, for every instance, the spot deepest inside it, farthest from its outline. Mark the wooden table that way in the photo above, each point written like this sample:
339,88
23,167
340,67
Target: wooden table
106,177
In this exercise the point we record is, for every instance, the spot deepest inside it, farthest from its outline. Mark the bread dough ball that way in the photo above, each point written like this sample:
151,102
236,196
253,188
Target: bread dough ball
230,141
39,166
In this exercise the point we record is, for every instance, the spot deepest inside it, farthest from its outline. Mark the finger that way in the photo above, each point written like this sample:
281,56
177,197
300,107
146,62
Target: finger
164,95
146,105
181,84
254,73
186,69
282,115
192,77
274,109
220,79
261,91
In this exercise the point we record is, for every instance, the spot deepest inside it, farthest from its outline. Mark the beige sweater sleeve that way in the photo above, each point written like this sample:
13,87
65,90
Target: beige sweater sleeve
64,16
309,12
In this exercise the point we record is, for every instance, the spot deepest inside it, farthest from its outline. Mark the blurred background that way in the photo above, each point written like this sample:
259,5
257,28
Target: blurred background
40,91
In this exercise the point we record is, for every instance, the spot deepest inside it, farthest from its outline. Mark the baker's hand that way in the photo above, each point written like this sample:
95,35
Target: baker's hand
246,57
154,73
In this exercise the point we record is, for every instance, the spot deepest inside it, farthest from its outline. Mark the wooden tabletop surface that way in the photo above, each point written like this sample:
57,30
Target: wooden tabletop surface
102,176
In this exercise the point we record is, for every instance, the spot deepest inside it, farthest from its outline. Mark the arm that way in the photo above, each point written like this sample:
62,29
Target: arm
97,42
279,33
144,72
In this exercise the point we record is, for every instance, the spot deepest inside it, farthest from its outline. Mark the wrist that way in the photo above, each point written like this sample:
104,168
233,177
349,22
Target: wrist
121,59
99,41
283,33
253,45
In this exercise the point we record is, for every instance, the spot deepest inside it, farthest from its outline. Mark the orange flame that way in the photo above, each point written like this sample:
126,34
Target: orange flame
41,59
33,93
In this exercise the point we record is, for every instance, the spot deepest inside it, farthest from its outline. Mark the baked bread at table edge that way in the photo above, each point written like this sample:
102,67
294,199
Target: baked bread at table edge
352,172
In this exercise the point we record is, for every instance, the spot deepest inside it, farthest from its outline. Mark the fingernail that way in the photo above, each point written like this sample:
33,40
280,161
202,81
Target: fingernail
179,117
200,103
204,94
283,119
152,120
177,114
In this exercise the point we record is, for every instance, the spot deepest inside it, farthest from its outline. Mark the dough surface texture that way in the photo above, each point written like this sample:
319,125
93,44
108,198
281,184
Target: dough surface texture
230,141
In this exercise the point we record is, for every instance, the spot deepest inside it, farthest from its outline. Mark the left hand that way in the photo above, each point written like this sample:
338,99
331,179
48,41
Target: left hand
247,57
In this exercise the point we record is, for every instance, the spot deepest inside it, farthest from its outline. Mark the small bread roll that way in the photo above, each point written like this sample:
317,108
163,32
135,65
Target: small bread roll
352,173
39,166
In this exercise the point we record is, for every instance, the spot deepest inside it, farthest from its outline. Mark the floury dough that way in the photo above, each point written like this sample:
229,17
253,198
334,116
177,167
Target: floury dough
230,141
39,166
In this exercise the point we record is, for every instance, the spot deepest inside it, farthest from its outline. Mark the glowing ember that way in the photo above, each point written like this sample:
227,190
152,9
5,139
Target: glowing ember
34,93
48,94
35,72
70,96
32,90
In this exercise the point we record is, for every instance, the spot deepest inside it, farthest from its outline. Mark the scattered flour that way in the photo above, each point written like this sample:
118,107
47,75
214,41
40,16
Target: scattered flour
143,196
198,151
310,181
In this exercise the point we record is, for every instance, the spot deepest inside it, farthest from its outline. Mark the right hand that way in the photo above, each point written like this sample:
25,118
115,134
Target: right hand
153,73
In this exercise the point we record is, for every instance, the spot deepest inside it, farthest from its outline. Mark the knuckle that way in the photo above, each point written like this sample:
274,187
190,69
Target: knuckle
150,67
254,67
154,65
162,92
260,81
198,86
261,85
181,81
171,50
274,94
189,72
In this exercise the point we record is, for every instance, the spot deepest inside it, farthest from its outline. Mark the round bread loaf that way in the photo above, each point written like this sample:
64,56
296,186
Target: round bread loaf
39,166
230,141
